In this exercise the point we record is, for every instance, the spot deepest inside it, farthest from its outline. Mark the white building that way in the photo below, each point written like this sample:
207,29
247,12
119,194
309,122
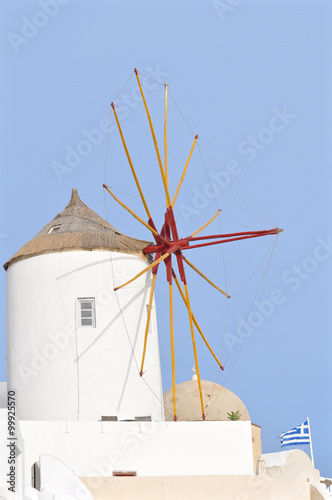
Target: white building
88,425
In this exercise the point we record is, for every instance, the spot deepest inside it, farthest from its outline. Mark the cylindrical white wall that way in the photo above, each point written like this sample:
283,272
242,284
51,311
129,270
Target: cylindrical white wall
65,372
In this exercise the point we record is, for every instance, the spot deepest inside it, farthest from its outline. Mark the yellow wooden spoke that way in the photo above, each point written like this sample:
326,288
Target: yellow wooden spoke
131,163
184,171
168,200
165,139
148,321
137,217
206,224
172,347
196,324
194,348
163,257
205,277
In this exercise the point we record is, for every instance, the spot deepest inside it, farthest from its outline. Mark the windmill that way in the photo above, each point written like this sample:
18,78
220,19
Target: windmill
170,248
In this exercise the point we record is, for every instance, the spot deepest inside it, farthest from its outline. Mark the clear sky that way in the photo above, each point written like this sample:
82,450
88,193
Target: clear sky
254,81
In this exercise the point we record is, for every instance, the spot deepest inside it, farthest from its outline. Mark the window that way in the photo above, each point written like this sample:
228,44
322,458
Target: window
86,312
54,229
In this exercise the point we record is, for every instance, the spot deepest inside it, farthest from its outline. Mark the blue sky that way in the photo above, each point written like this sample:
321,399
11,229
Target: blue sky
253,80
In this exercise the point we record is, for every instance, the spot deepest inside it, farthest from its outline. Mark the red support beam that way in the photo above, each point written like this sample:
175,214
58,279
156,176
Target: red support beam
181,267
155,269
232,235
218,242
184,243
172,223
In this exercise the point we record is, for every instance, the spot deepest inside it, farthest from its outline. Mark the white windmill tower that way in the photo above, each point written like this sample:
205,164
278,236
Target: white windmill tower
72,342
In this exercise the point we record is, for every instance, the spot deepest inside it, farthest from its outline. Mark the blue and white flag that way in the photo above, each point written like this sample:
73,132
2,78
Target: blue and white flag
298,435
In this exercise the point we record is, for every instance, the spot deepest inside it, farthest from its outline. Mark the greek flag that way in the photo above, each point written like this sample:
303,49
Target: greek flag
298,435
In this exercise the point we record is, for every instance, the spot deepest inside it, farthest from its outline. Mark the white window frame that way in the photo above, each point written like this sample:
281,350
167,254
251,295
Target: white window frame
86,300
54,229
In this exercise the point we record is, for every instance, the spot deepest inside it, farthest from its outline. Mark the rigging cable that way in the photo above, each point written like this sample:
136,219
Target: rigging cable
267,267
269,245
149,78
108,137
124,87
236,181
254,298
181,114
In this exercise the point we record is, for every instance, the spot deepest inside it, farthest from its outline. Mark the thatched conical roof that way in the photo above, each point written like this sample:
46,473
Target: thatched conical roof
78,228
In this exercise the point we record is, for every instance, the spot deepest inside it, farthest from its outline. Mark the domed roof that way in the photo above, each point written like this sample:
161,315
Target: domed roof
217,400
78,228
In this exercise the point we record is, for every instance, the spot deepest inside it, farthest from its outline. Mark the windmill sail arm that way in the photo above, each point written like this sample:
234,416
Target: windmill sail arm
226,238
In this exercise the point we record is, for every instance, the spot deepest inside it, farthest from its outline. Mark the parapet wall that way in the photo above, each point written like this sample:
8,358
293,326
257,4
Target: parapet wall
196,488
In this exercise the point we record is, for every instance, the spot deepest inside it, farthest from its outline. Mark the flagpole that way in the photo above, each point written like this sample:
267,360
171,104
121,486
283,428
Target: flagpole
312,456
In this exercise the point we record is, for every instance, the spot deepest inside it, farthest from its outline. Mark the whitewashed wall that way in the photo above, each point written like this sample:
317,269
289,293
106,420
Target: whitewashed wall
63,372
148,448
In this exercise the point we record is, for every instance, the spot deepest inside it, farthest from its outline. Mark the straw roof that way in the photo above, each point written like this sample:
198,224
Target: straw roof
78,228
